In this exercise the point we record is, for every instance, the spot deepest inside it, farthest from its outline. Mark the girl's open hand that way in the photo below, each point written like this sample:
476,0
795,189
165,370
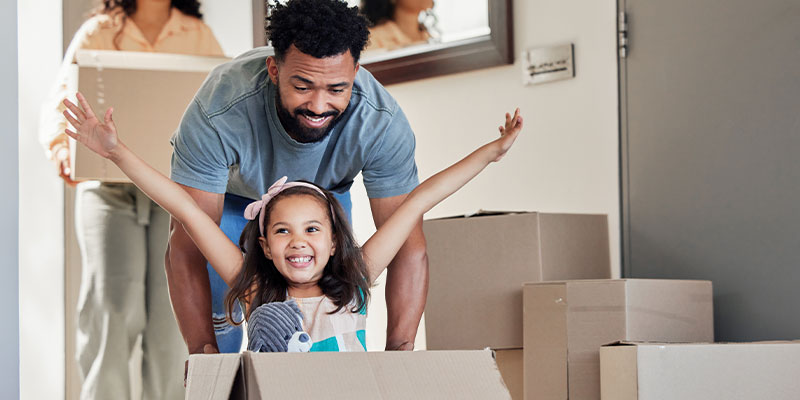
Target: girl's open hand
98,136
508,134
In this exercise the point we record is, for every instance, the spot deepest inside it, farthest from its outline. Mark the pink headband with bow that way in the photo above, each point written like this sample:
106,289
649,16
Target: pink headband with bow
256,208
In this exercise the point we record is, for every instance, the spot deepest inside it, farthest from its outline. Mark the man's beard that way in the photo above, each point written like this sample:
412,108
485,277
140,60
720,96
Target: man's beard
291,121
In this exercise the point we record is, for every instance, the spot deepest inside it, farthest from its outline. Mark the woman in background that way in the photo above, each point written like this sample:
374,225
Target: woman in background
121,233
397,23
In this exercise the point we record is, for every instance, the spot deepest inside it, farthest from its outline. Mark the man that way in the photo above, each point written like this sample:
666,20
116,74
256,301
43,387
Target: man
309,112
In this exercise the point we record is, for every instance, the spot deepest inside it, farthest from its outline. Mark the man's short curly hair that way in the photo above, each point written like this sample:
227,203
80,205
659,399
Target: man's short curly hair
319,28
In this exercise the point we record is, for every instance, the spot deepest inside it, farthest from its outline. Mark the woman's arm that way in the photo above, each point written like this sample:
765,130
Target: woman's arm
51,120
381,248
102,138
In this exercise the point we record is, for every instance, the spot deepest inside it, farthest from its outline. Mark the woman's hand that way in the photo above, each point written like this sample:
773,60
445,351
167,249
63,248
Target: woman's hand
100,137
59,153
508,134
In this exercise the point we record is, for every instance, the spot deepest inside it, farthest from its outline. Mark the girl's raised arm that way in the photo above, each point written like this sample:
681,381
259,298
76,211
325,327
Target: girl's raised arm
102,138
381,248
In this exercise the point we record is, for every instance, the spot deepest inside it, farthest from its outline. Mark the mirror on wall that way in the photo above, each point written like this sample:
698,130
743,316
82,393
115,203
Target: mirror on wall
450,36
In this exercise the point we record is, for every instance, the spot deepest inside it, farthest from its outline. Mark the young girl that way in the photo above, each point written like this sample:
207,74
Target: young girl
298,243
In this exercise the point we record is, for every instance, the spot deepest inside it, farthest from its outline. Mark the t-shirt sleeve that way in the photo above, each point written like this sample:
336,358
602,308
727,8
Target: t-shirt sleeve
198,154
392,169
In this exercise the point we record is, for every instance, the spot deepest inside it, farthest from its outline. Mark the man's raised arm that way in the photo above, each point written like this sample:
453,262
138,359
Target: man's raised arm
187,276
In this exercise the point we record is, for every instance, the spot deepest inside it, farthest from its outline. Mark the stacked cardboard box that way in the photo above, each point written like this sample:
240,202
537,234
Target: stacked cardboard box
708,371
479,263
535,288
567,322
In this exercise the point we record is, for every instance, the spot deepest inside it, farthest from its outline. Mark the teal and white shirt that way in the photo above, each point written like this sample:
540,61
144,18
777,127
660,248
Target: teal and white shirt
342,331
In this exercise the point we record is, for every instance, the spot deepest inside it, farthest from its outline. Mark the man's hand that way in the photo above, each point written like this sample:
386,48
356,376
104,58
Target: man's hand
405,346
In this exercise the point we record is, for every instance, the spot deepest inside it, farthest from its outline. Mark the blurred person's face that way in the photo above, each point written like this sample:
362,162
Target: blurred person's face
312,92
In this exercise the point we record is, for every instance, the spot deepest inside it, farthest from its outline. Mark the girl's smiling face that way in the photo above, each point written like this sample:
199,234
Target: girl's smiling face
299,241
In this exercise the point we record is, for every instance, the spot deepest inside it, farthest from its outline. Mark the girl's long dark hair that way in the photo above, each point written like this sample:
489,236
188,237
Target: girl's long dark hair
128,8
344,279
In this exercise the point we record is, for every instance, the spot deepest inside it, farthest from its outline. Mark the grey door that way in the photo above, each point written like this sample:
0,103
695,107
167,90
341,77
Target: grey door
710,155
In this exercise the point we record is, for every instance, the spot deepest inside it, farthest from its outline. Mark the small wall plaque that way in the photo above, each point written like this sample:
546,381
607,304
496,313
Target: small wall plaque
546,64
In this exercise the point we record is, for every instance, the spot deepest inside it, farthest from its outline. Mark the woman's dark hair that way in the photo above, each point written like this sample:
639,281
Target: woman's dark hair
344,279
319,28
377,11
128,8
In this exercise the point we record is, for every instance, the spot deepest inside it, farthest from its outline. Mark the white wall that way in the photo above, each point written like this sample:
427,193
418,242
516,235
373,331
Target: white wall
9,168
232,24
41,231
567,157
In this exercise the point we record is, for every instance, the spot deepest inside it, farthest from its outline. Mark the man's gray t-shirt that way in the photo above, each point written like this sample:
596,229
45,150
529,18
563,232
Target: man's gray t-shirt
231,140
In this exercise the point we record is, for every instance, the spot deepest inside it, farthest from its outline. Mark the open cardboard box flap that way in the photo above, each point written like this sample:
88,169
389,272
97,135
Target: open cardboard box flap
371,375
479,213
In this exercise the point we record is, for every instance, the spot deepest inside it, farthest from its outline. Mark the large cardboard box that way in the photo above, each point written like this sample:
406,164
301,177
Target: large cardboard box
567,322
701,371
351,376
149,93
478,265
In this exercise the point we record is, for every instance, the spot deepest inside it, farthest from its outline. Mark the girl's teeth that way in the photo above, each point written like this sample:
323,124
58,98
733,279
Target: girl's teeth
300,259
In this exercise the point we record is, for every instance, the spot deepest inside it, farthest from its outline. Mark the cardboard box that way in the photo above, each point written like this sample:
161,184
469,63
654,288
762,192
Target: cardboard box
371,375
509,363
478,265
149,93
695,371
567,322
